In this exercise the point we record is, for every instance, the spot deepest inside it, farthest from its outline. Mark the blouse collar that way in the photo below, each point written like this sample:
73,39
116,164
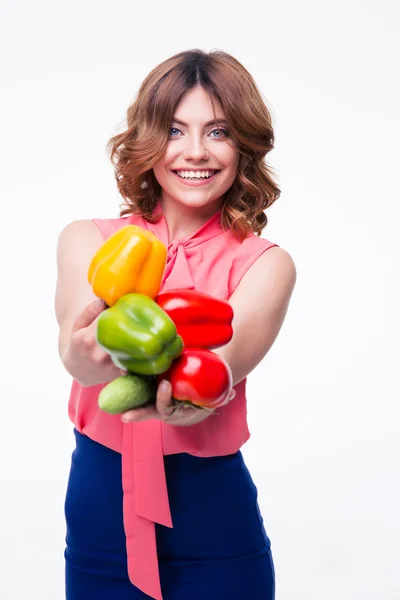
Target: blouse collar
177,273
211,228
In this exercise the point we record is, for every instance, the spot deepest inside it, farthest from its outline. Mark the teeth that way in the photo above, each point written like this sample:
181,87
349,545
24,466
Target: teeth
195,174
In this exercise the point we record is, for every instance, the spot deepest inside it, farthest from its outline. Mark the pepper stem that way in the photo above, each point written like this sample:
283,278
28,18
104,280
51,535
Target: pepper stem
188,404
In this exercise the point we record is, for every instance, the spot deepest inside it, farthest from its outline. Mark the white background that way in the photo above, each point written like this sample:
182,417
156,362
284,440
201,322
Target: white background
324,404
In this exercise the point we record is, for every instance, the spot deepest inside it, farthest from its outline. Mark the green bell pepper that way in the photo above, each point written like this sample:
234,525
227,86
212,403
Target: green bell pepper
139,335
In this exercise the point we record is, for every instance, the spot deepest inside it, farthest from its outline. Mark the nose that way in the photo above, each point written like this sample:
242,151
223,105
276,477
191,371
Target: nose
195,148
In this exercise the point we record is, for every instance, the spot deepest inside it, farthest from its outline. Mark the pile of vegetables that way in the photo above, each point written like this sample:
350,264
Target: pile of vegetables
156,336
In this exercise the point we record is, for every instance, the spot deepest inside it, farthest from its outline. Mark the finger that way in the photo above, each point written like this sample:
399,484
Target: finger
164,402
139,414
230,397
89,314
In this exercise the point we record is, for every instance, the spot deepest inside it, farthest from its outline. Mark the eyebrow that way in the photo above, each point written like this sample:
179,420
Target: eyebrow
213,122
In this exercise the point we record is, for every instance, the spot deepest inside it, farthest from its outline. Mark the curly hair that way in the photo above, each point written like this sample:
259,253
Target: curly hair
143,143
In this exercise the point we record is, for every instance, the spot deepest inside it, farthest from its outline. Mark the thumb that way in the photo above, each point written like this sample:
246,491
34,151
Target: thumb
231,396
89,314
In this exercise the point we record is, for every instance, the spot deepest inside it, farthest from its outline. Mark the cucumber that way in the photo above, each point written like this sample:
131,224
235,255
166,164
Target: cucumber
126,393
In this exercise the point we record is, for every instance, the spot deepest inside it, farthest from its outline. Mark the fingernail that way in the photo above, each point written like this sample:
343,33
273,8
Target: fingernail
100,303
164,385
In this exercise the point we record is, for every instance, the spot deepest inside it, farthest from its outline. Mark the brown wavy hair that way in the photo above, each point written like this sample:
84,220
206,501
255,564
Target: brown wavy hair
143,143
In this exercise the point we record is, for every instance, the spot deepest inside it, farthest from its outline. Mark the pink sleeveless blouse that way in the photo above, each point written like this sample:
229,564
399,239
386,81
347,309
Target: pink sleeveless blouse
212,261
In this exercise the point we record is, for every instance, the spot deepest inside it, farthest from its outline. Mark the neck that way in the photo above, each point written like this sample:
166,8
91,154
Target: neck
183,221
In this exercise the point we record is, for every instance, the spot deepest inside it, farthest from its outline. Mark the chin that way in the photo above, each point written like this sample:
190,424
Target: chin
195,200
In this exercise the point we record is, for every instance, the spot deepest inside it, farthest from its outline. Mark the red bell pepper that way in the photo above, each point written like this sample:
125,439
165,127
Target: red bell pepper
201,320
199,377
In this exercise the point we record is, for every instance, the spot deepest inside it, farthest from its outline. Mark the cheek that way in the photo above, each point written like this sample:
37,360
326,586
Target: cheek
161,168
159,171
229,157
169,156
231,163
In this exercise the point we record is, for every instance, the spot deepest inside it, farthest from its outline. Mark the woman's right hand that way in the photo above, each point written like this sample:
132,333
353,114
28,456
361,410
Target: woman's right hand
83,358
77,308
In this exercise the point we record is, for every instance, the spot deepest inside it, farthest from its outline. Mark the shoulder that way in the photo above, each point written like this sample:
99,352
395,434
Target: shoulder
93,229
77,241
262,263
77,232
78,229
273,272
109,226
253,254
84,236
277,261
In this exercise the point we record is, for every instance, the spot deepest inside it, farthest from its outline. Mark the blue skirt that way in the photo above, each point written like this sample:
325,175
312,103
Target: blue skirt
217,549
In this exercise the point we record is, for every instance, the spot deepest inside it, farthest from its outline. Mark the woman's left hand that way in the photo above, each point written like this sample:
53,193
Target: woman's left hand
165,409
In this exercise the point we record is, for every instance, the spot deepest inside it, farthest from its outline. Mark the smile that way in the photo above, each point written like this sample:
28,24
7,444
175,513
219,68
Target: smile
196,177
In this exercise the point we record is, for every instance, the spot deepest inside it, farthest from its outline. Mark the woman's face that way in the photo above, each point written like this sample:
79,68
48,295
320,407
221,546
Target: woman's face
199,165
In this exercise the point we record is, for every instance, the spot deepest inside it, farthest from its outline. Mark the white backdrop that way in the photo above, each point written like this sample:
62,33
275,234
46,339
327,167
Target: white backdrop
324,404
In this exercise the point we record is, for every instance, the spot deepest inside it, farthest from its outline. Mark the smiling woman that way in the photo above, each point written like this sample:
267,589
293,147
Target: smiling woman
160,503
196,112
194,157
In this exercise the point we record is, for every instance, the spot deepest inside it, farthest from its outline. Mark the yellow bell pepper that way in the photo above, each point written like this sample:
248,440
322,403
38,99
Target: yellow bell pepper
132,260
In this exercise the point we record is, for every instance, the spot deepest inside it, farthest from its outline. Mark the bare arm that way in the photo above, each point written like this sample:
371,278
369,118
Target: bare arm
260,303
77,308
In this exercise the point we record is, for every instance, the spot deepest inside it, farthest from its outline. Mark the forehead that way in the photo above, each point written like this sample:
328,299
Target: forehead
199,105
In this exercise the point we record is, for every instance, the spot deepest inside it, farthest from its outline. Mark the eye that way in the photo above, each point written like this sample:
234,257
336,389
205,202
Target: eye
222,133
172,130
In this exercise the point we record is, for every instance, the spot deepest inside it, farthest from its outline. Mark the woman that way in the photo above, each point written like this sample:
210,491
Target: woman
160,503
